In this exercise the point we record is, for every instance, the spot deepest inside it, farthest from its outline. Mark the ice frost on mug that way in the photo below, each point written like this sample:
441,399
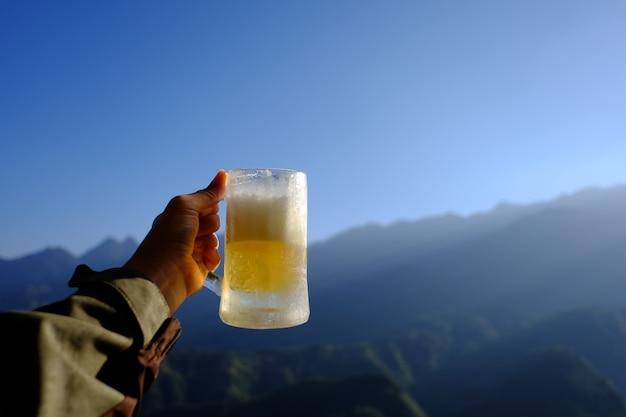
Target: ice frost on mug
265,252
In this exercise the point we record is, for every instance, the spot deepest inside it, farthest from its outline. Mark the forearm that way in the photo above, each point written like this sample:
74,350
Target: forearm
82,356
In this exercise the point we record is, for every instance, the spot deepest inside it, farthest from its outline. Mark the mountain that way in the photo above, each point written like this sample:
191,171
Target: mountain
514,263
596,334
41,278
109,253
557,382
572,362
519,310
366,395
199,381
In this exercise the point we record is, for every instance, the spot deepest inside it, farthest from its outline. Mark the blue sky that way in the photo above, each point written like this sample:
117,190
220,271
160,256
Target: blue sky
395,109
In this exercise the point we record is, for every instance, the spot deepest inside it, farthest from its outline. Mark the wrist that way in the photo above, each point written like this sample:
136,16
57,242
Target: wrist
167,280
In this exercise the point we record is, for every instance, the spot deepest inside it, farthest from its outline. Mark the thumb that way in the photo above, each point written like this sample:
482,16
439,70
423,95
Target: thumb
212,194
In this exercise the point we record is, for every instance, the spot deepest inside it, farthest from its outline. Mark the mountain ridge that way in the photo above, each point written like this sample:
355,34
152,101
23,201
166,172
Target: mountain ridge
365,278
577,197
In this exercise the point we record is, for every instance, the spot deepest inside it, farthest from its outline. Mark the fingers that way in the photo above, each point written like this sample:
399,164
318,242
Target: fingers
208,241
205,252
209,224
211,259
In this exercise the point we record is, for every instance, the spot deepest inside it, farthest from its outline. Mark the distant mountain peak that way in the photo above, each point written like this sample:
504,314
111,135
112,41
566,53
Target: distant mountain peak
110,253
506,206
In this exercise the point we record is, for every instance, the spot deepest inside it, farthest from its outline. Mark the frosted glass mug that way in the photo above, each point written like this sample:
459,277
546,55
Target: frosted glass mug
265,249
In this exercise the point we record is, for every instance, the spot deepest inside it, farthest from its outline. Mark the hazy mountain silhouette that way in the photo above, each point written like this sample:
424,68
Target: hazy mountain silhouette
515,262
109,253
42,277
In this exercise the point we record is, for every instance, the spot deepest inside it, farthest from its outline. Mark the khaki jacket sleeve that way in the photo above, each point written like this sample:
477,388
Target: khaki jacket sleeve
92,354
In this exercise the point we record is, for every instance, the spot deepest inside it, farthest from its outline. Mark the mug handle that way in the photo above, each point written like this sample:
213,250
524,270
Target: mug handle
214,283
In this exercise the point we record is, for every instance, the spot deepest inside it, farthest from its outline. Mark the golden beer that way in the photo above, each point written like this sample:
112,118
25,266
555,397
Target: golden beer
265,253
264,266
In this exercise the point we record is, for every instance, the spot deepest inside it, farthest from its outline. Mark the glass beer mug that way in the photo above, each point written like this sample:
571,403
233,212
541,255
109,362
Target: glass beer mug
265,251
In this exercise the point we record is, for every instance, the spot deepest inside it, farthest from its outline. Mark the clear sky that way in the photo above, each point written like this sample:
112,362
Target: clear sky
395,109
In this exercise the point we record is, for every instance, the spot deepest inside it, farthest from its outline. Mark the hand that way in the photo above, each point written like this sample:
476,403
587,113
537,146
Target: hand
181,247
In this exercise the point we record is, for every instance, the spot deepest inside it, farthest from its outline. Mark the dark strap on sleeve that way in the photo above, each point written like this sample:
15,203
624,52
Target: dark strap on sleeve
134,373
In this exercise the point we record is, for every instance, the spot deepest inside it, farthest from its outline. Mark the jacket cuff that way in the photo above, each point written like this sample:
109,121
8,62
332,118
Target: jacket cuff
146,301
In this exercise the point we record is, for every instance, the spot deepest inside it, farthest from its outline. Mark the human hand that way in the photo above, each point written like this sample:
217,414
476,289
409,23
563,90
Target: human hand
181,247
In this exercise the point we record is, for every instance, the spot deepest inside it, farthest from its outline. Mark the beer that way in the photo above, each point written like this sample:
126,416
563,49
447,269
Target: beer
264,266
